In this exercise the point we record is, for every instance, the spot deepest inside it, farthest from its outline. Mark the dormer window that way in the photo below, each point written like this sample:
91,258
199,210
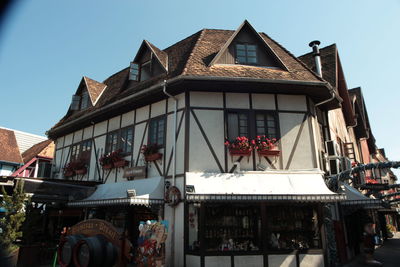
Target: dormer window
84,100
145,71
246,54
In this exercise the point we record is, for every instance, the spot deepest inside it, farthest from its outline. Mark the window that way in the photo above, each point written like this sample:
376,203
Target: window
157,131
85,100
246,54
111,142
126,139
237,125
145,71
249,124
86,148
121,139
266,125
74,152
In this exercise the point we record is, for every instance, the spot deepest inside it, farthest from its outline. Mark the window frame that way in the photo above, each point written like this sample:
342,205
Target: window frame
122,144
238,112
157,119
118,144
274,114
252,122
246,44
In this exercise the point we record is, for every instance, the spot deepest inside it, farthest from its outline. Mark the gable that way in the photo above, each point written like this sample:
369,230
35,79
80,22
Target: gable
148,62
9,150
247,47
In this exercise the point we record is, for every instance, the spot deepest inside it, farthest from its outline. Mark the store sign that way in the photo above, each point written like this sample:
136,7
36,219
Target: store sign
137,172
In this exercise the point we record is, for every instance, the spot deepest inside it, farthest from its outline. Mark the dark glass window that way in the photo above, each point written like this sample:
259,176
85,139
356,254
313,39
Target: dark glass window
145,71
126,139
266,125
157,131
86,148
237,125
112,142
85,100
246,54
75,151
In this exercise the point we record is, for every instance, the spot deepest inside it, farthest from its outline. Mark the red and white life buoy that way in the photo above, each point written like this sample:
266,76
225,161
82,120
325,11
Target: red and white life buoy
173,196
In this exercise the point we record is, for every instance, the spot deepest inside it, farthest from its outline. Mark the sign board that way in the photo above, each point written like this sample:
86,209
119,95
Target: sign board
137,172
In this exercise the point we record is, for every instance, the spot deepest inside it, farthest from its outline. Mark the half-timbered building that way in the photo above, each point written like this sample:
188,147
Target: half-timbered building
161,138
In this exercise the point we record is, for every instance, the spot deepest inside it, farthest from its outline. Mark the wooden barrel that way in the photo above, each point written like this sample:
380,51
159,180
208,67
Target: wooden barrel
65,250
94,251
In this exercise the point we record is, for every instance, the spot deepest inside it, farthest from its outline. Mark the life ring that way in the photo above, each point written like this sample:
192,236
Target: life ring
173,196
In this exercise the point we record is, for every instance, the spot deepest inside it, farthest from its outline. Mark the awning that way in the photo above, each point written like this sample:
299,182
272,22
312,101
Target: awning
300,186
142,192
354,197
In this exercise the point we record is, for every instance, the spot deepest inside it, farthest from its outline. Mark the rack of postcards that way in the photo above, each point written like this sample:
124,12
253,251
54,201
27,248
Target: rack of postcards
232,228
292,227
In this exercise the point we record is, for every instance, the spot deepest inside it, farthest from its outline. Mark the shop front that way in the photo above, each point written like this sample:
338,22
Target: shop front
134,209
256,219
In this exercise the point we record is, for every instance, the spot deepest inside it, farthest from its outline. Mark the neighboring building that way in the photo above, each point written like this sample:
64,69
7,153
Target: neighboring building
24,154
244,207
10,157
37,161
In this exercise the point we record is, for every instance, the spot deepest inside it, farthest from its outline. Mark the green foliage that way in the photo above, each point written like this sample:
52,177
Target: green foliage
14,216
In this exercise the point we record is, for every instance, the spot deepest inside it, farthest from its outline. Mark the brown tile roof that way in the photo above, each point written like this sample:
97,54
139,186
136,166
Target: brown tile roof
94,89
9,150
43,149
328,61
191,57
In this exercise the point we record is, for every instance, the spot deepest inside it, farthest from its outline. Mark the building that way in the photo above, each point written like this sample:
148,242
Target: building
166,128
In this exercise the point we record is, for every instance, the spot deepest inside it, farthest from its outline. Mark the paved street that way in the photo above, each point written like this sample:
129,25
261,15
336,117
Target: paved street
388,254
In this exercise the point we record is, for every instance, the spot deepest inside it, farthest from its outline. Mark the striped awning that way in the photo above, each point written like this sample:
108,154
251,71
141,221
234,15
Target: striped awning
144,192
354,197
296,186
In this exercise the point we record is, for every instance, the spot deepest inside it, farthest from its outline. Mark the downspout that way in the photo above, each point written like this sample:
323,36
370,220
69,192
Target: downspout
173,172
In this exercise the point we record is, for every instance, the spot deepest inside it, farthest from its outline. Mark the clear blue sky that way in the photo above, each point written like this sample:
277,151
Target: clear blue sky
46,47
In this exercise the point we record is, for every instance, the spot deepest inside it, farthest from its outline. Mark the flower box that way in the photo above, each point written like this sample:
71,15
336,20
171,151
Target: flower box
240,152
273,151
120,163
81,171
153,157
68,173
108,166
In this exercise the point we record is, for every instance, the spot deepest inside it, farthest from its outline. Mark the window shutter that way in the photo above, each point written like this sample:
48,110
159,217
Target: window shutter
349,151
75,102
134,72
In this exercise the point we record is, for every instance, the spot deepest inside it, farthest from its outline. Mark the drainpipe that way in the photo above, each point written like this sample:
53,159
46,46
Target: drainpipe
172,232
174,135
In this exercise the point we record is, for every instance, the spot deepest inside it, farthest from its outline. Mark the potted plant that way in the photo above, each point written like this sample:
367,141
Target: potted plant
150,152
80,166
239,147
69,169
113,160
266,146
10,224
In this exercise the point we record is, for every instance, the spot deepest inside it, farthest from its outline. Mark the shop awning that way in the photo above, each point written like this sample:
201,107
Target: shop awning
354,197
299,186
138,192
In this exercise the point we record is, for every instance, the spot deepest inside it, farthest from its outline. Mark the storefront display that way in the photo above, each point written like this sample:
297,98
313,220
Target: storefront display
238,227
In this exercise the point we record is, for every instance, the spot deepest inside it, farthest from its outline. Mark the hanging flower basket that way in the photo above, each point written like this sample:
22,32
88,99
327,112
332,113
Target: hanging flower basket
239,147
81,171
153,157
120,163
272,151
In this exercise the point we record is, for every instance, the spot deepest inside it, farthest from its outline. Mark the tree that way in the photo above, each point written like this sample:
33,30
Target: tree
14,217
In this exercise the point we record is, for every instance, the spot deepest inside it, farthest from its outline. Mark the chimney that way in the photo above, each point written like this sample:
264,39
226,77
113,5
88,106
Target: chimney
315,47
